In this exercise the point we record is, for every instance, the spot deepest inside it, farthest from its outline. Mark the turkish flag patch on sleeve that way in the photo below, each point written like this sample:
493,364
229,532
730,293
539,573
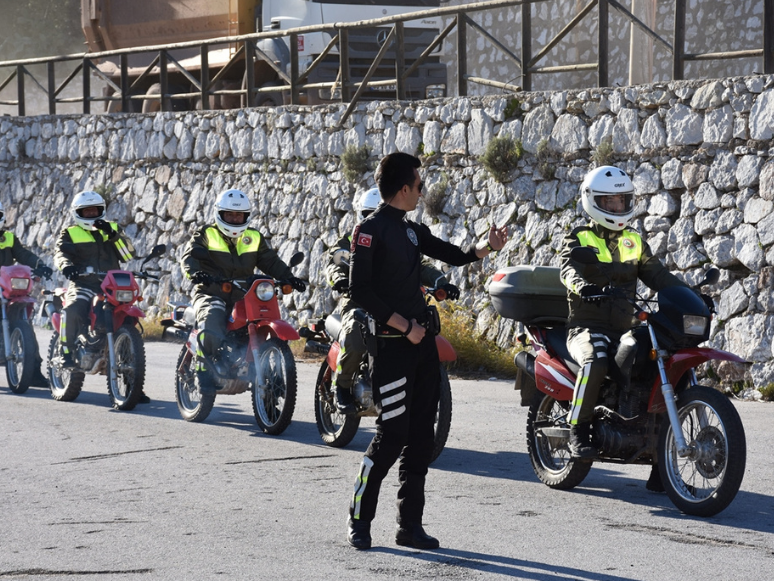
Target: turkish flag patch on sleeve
364,240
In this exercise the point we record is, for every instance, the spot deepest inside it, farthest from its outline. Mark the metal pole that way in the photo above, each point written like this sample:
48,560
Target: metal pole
602,42
125,101
526,45
678,62
768,37
462,55
250,72
400,62
204,55
51,88
86,76
294,93
344,64
164,81
20,89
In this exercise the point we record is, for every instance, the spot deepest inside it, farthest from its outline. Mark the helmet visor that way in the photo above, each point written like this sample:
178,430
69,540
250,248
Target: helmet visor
234,218
619,204
90,212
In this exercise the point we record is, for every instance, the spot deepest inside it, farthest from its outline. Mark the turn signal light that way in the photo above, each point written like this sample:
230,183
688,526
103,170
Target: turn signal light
642,316
653,355
287,289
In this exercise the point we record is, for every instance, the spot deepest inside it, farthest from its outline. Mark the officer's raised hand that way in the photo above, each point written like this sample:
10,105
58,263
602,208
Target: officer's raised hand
103,226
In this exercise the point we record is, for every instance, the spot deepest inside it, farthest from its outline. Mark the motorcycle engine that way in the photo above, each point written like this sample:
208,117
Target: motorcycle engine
363,394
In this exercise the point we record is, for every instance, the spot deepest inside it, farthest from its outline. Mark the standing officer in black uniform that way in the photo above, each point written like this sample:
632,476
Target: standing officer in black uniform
385,280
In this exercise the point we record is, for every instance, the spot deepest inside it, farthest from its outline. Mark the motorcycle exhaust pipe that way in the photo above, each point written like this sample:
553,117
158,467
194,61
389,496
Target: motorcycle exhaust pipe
525,377
317,347
175,335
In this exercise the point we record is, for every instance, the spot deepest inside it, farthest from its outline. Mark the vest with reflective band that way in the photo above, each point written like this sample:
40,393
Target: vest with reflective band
249,241
82,236
629,246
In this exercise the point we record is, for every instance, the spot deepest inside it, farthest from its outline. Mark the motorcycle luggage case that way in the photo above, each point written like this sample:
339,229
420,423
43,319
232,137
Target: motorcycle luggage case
529,294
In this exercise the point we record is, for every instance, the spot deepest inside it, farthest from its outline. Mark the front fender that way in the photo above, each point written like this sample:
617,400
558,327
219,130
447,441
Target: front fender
445,350
682,362
281,329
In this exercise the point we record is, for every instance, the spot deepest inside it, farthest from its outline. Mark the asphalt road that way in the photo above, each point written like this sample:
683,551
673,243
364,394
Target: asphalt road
92,493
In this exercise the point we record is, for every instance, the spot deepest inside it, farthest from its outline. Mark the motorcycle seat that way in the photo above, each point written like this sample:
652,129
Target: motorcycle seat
556,337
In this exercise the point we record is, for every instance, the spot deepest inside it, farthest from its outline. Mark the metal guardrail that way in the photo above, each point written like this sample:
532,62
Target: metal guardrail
461,21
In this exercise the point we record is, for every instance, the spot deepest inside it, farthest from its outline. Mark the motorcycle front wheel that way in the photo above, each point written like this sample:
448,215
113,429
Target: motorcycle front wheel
549,452
705,482
19,367
65,383
336,430
274,386
194,406
126,386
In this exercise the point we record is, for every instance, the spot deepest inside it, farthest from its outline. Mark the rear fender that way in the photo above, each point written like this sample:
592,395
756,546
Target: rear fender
681,363
56,320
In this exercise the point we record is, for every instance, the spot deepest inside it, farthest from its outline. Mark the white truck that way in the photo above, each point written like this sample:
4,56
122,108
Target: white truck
121,24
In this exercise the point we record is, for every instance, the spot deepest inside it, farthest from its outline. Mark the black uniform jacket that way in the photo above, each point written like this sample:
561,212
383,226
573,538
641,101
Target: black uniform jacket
386,266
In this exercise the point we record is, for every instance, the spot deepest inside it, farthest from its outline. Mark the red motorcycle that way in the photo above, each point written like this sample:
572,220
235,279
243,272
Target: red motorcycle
255,355
336,429
112,344
651,408
18,337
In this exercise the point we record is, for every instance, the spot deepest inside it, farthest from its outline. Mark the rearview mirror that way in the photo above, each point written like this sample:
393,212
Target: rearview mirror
341,256
711,277
296,259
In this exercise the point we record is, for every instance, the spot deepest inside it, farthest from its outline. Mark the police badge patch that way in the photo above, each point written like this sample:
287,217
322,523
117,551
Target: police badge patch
246,240
628,243
412,236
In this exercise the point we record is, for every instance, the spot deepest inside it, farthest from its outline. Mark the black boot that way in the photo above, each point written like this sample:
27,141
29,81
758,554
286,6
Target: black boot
359,534
67,361
38,379
654,483
580,442
143,398
413,535
345,403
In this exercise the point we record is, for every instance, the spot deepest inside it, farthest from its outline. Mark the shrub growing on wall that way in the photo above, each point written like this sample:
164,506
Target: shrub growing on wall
355,163
501,157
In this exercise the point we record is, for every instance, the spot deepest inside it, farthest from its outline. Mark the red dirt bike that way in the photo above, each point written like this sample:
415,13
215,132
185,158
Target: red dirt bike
255,355
18,338
336,429
651,408
111,345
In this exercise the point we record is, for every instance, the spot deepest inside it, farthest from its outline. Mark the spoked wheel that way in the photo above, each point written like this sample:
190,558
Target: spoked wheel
443,416
194,406
65,384
20,365
336,430
548,437
707,480
125,387
274,386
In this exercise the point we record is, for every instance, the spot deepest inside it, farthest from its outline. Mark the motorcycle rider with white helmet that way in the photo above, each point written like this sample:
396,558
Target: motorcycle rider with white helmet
352,346
12,252
596,322
92,241
234,251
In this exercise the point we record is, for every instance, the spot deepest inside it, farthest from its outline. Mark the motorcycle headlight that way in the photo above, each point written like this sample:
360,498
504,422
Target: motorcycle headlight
20,283
694,325
124,296
264,291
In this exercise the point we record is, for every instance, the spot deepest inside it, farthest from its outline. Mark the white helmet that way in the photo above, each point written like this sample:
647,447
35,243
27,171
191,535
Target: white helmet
368,202
87,199
2,216
232,201
597,189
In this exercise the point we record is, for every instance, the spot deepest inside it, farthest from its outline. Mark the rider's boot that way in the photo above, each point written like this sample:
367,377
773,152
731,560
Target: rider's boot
143,398
359,534
413,535
654,483
580,441
38,379
67,361
345,401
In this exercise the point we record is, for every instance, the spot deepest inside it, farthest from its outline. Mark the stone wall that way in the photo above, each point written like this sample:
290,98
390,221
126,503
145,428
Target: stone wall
699,153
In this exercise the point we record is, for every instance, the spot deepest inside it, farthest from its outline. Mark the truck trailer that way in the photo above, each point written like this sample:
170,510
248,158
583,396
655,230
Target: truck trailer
120,24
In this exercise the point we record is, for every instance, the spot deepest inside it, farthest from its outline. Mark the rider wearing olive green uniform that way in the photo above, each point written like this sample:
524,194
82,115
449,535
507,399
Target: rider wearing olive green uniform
233,251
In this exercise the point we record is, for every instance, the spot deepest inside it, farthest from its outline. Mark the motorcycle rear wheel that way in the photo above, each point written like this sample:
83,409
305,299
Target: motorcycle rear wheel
125,389
194,406
336,430
550,455
274,386
65,383
21,364
443,416
706,482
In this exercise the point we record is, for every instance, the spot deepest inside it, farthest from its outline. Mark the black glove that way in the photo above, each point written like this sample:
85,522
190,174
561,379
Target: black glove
297,284
201,277
709,302
452,291
590,294
341,285
43,271
70,272
103,226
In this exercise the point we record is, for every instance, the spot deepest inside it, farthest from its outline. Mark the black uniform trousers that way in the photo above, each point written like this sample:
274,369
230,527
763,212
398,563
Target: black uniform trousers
406,385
